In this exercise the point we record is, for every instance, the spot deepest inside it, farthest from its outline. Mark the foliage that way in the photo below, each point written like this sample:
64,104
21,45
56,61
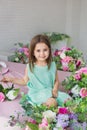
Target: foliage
68,59
54,37
79,107
8,93
76,85
40,117
35,112
77,79
21,53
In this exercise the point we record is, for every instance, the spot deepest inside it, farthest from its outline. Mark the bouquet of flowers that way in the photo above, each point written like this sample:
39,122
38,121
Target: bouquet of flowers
76,84
34,117
44,118
68,59
9,93
21,53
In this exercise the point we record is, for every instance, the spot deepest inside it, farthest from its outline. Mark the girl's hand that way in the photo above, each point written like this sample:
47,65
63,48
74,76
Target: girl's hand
6,79
51,102
55,92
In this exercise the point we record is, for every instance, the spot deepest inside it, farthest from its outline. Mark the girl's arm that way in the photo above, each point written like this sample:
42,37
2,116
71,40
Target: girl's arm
20,81
56,86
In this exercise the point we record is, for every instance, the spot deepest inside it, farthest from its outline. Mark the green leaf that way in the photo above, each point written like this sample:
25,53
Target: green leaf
32,126
16,91
6,90
1,88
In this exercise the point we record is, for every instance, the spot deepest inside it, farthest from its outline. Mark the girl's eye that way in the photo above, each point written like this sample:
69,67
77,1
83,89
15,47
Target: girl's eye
45,49
38,50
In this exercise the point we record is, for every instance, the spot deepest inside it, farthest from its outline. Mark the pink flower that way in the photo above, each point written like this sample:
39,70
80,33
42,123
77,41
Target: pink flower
67,59
65,66
63,110
83,92
44,123
82,70
57,52
26,128
26,51
77,76
78,63
32,121
2,97
65,49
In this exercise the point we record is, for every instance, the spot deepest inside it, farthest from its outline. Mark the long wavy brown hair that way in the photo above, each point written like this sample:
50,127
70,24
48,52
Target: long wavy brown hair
35,40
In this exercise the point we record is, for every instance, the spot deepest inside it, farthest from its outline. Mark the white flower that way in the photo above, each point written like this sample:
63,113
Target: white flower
12,94
49,115
16,59
62,55
75,90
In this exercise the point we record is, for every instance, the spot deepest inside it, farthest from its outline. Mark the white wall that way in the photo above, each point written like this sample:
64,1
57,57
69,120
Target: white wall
73,21
21,19
83,28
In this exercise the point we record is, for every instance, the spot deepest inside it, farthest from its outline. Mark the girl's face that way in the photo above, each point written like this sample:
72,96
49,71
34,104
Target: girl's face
41,52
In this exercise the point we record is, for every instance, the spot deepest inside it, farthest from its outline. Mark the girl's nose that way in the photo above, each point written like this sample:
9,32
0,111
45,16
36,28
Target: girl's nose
41,53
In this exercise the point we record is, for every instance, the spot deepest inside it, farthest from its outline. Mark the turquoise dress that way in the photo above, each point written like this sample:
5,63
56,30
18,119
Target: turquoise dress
40,85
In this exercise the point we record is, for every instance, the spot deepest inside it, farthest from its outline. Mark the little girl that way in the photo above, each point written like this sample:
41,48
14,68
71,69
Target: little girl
41,75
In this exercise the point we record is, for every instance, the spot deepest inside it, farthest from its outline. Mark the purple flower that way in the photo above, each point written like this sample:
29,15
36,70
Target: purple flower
78,126
62,120
21,50
73,116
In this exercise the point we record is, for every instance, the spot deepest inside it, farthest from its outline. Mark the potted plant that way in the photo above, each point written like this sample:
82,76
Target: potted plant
58,40
68,59
21,53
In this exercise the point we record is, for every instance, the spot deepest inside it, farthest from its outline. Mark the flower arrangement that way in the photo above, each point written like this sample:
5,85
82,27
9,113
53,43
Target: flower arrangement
21,53
68,59
34,117
76,84
8,93
44,118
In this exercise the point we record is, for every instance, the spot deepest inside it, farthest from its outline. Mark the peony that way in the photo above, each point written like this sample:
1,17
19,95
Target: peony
82,70
77,76
67,59
83,92
2,97
63,110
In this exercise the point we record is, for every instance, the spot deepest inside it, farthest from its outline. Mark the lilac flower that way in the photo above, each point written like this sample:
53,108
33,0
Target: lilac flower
78,126
62,120
21,50
73,116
